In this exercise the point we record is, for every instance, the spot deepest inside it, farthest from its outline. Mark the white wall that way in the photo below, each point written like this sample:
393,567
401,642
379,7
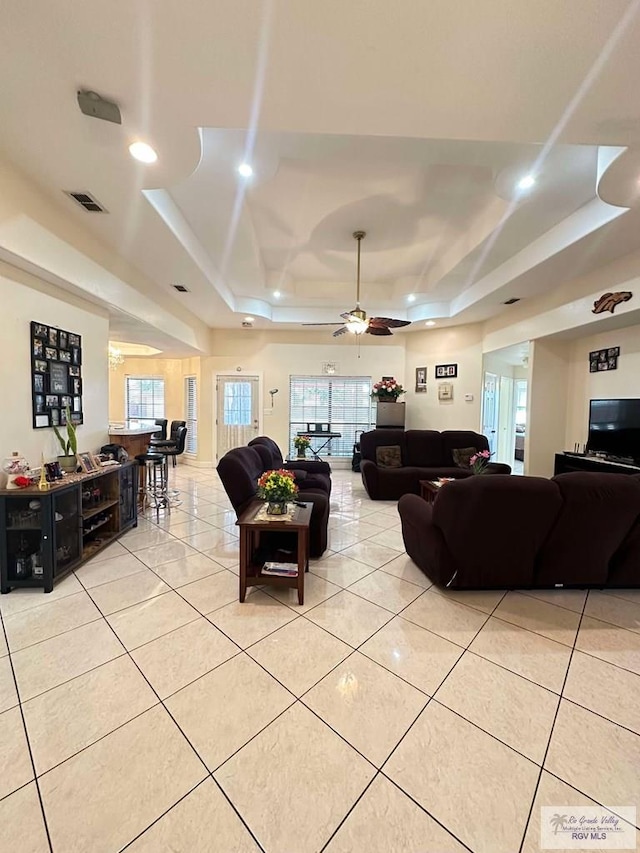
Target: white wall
546,406
23,299
461,345
585,386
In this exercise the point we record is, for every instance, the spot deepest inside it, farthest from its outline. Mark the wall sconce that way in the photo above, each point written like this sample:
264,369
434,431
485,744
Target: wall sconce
273,392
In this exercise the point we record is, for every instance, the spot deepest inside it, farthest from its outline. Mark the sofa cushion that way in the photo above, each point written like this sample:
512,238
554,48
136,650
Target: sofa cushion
462,456
389,456
382,437
424,449
455,439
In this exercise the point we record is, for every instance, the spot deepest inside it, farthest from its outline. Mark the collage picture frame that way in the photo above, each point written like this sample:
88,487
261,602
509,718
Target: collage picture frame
56,375
604,359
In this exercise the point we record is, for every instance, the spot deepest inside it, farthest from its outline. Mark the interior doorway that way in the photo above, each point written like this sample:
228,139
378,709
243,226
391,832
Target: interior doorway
520,424
237,411
490,400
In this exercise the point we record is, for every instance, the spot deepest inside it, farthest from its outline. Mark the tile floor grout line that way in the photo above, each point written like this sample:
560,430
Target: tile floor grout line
28,741
602,716
553,725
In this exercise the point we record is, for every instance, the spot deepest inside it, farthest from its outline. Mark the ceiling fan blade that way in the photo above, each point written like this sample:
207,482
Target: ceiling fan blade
338,332
388,323
378,330
347,315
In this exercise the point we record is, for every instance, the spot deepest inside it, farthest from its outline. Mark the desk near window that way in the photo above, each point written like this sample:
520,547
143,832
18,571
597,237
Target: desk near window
327,435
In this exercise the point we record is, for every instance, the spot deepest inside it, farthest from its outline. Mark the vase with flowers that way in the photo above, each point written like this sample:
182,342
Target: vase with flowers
387,390
302,443
277,487
479,461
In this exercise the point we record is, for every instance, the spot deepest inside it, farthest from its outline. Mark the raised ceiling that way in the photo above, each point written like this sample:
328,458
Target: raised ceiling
409,121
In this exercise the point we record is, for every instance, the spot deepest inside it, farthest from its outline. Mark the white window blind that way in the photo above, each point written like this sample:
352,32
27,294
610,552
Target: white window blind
341,402
191,414
144,397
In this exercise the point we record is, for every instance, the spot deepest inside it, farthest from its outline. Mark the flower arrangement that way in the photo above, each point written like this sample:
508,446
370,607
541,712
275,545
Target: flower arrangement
301,443
387,390
277,486
479,461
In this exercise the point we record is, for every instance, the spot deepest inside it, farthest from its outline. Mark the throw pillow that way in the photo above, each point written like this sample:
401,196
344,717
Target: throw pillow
462,455
389,457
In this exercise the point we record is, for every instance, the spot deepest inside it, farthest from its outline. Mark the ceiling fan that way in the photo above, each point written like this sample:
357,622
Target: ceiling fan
356,321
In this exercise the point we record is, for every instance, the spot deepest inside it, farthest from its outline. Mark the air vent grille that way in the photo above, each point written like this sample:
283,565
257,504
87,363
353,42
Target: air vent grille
180,288
247,325
87,201
512,301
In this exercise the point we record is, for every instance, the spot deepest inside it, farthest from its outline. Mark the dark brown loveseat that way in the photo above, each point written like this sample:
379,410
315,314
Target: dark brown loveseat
425,454
239,471
578,529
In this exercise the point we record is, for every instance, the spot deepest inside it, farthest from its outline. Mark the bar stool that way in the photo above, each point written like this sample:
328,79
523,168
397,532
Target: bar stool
175,450
154,491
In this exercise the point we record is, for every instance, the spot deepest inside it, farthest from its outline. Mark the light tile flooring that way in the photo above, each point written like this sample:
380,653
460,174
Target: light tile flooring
143,708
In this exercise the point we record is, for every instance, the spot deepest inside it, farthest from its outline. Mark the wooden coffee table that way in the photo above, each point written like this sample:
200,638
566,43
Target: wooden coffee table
428,490
250,529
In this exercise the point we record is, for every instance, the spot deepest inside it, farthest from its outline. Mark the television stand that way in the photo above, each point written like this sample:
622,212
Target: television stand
566,462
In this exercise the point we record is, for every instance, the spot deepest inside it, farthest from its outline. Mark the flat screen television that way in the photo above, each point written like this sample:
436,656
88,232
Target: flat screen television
614,428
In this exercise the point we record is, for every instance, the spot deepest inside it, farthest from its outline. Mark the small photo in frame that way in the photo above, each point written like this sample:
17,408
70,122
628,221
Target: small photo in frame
77,404
38,383
74,371
421,380
53,337
39,403
52,401
446,371
58,378
55,417
40,366
38,348
51,354
65,355
41,421
62,340
76,386
74,340
40,330
76,355
66,402
87,462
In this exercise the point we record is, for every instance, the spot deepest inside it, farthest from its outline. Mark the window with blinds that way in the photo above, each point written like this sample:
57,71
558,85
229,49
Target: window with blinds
343,403
191,413
144,400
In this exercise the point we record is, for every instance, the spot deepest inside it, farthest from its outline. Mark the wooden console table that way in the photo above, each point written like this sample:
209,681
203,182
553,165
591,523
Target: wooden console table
253,556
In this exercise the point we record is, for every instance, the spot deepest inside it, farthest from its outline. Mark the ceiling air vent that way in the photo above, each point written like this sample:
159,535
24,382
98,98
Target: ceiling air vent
247,324
512,301
180,288
87,201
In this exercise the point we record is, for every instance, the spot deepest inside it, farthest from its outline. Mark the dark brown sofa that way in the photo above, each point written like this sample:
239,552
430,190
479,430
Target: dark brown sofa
308,473
239,470
425,454
578,529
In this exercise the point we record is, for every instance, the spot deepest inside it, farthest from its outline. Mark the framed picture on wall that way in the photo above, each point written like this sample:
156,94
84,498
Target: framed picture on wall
56,355
421,380
603,359
446,371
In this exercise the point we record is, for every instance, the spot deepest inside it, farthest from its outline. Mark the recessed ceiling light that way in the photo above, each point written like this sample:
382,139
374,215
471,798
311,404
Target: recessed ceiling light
245,170
142,152
411,297
248,319
430,323
526,183
277,294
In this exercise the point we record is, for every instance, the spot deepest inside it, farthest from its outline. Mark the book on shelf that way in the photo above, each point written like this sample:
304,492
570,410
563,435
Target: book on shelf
288,570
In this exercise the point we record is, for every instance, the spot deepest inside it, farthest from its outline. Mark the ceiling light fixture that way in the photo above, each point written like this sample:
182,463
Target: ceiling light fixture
277,294
142,152
245,170
411,297
526,183
249,319
430,323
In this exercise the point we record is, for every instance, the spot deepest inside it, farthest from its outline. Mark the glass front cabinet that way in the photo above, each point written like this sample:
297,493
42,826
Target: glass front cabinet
44,535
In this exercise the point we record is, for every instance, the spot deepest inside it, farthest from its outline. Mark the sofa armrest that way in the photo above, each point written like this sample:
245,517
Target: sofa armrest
424,541
369,473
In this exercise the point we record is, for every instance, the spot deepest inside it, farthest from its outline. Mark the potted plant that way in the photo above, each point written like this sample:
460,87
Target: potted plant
301,444
389,412
67,459
277,487
479,461
387,390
